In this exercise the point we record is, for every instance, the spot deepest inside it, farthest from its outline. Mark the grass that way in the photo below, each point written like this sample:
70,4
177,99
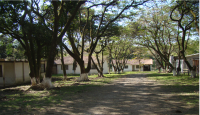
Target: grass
186,88
16,99
19,100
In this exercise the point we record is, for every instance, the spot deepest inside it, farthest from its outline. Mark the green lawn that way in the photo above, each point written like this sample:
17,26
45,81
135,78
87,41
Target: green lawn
186,88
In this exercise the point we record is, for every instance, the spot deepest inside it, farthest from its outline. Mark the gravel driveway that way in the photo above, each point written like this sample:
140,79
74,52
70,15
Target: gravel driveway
133,95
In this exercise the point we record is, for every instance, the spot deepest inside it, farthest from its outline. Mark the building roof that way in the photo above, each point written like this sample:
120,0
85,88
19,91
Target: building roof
195,56
142,61
70,60
136,61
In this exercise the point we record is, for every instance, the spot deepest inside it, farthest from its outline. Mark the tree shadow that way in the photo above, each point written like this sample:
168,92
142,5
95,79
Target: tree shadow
123,97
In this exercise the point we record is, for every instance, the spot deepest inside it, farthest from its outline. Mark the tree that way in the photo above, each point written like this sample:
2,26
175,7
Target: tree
158,35
113,30
102,21
23,28
120,50
99,67
5,48
63,64
185,23
32,26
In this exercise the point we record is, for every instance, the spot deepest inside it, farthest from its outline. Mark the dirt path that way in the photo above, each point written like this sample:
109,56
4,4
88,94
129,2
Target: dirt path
133,94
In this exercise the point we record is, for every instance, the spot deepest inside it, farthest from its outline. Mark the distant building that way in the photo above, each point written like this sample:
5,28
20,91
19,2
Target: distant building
136,64
68,61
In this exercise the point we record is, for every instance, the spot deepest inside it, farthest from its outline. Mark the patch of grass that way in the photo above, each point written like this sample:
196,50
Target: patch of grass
18,100
186,88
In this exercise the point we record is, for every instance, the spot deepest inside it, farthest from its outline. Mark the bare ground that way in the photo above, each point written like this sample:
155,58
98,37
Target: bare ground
132,94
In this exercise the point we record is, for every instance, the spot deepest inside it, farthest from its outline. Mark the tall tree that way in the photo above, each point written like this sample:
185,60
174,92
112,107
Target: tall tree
158,34
32,26
102,21
21,24
120,51
185,22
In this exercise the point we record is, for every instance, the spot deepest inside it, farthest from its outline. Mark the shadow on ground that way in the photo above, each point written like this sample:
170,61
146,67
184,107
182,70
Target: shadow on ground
132,94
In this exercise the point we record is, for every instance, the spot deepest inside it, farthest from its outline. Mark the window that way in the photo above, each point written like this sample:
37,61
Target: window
42,69
66,67
137,66
93,67
126,67
1,72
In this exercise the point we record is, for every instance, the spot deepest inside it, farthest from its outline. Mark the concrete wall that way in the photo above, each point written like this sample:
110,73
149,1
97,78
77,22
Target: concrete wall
189,59
129,68
71,71
105,69
137,69
26,72
9,73
1,78
14,73
18,72
133,68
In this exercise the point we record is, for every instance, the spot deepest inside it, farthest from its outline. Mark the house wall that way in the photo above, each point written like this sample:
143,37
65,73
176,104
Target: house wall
71,71
105,69
129,68
183,64
26,72
150,67
1,78
9,73
133,68
18,72
137,69
13,73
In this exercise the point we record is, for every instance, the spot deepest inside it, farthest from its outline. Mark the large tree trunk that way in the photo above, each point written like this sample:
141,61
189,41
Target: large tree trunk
83,76
50,62
74,66
84,72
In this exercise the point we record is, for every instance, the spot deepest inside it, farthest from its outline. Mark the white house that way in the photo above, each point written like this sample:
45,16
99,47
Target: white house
13,72
193,59
136,64
68,61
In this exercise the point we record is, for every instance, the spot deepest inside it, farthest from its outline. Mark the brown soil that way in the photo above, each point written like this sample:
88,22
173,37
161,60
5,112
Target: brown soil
132,95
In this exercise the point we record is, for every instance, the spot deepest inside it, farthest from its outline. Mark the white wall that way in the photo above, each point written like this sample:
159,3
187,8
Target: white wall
26,72
105,67
129,68
150,67
1,78
71,71
18,72
137,69
9,73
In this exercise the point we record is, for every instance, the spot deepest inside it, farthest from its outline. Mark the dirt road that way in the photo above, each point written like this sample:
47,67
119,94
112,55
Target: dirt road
133,94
